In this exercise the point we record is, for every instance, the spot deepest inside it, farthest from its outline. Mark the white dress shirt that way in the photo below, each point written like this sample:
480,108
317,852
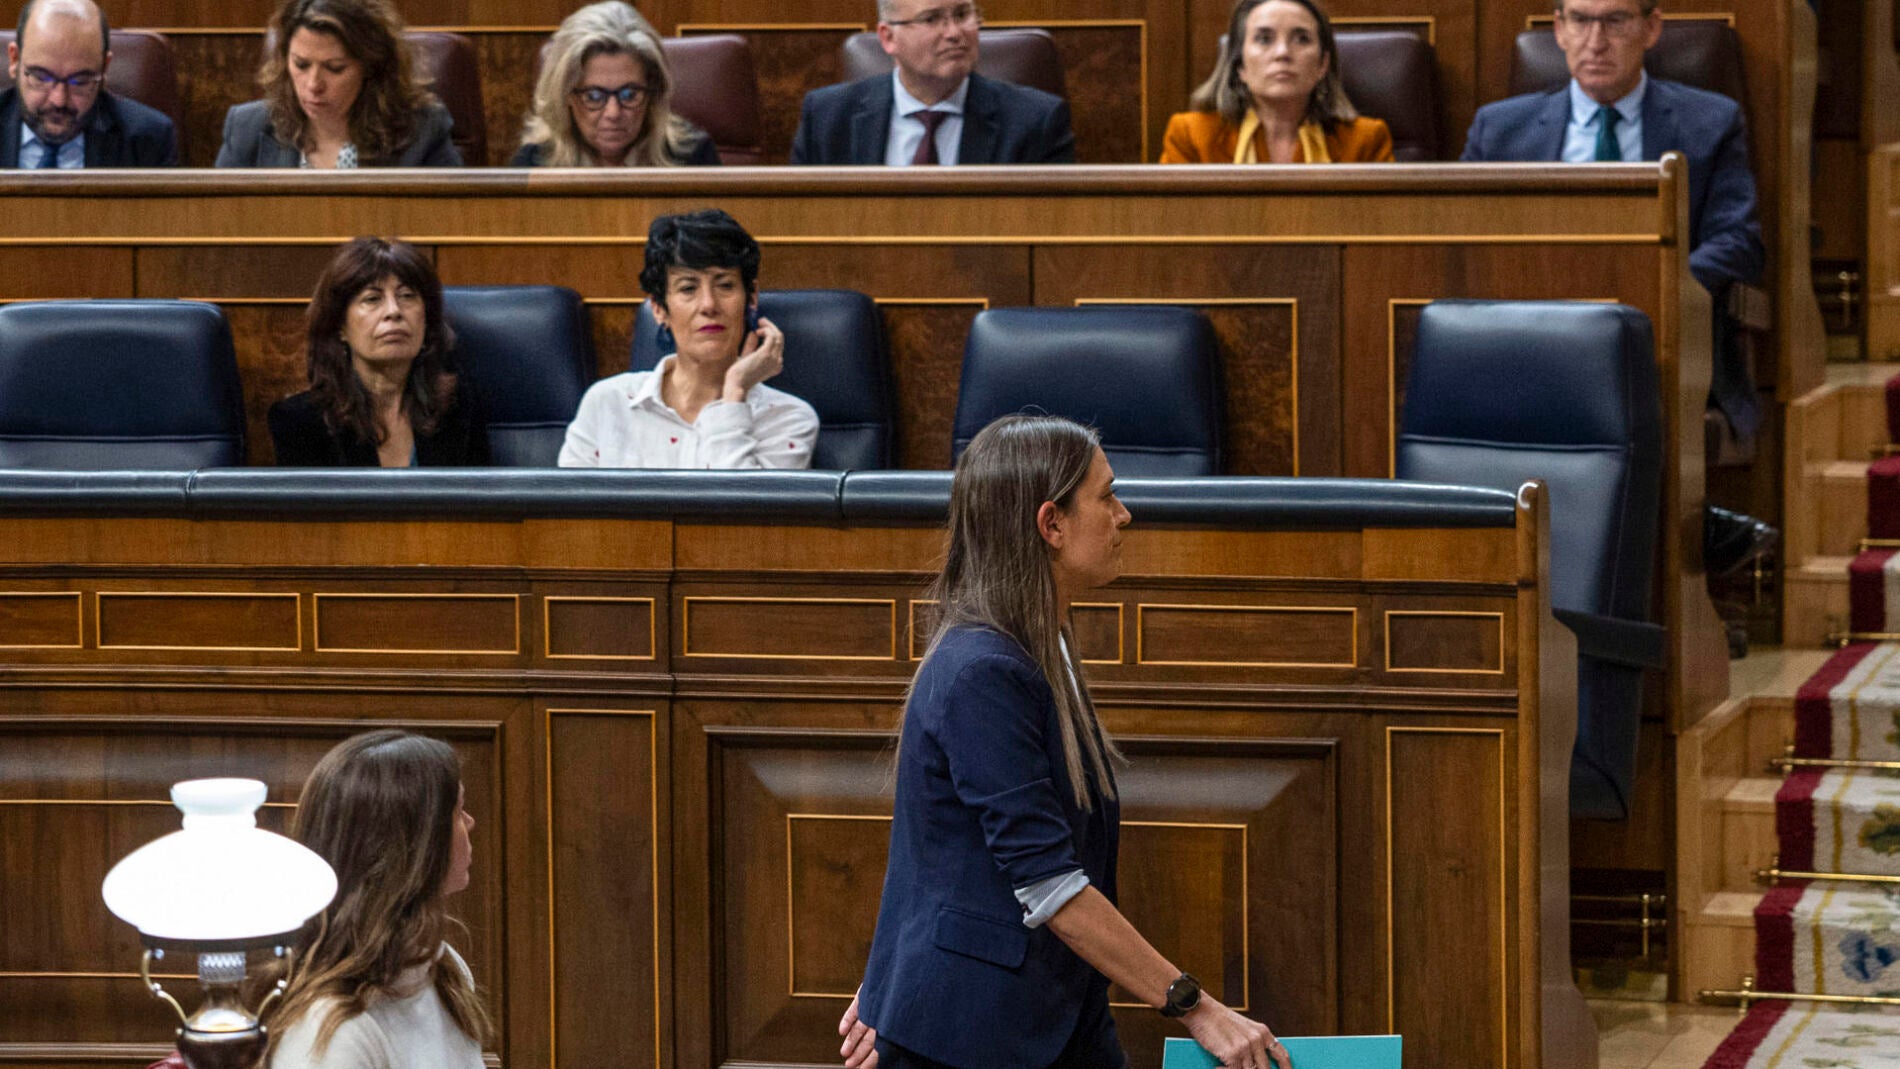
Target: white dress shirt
72,154
624,422
1580,133
908,132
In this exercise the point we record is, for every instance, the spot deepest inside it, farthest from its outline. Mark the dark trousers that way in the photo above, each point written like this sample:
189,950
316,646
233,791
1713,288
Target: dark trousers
1093,1046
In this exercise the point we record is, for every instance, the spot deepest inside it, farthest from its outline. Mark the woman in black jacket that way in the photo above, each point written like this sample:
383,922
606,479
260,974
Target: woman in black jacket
382,391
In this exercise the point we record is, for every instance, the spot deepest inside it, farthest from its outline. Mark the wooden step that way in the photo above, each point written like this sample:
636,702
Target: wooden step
1748,832
1841,508
1718,943
1814,600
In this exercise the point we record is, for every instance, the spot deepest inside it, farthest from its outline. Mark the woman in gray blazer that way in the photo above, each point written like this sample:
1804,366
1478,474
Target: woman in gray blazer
340,91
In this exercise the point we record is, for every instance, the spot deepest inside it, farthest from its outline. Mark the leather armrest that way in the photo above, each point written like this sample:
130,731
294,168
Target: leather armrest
1636,643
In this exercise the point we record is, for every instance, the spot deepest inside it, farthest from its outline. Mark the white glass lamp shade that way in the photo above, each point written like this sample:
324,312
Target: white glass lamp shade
222,879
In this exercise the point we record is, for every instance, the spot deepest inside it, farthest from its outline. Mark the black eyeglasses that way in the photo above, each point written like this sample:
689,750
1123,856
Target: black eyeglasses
43,79
594,98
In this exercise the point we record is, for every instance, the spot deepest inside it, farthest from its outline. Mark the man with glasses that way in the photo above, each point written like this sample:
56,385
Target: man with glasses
933,108
1611,110
58,114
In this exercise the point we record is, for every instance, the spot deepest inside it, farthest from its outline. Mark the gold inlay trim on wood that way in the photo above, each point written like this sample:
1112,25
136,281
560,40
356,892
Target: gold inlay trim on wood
1141,656
79,622
514,601
686,627
1504,910
547,630
686,29
1121,640
1246,951
906,240
1293,363
980,302
1430,22
98,618
653,835
1498,616
791,940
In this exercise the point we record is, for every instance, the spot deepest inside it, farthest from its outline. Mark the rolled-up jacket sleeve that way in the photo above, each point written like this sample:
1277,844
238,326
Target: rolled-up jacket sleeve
994,722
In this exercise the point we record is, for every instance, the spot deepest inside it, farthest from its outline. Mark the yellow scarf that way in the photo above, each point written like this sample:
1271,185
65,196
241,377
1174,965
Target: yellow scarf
1312,141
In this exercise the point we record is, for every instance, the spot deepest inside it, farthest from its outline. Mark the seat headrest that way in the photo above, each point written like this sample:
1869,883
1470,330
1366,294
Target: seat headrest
527,351
1020,54
1146,377
1393,75
446,61
1703,53
716,88
1582,399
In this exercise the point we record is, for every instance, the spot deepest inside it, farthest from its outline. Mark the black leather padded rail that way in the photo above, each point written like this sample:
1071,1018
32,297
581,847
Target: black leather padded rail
742,497
1231,501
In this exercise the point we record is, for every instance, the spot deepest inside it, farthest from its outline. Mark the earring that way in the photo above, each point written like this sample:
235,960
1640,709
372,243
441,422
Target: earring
665,338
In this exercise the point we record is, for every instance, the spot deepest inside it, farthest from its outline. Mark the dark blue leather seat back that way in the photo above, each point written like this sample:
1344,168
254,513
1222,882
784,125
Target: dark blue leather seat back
1146,377
527,352
103,385
1502,392
835,361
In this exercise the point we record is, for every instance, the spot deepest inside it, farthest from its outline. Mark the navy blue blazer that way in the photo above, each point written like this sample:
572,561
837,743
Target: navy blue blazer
1706,127
1003,122
120,132
984,806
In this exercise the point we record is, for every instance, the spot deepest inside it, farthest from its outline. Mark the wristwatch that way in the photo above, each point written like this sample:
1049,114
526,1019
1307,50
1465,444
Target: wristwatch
1183,995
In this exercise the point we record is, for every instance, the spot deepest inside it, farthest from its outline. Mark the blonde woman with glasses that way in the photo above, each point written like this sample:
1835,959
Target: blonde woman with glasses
605,99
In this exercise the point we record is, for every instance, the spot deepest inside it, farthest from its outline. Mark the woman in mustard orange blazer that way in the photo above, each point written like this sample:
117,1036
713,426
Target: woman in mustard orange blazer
1275,96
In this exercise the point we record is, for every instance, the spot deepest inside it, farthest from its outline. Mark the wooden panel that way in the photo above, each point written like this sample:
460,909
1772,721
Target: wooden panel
1098,631
1444,642
599,628
827,857
270,340
790,62
805,629
206,621
1267,636
40,619
509,62
51,272
926,341
604,862
418,623
1288,289
215,72
1106,99
1883,254
1445,799
76,796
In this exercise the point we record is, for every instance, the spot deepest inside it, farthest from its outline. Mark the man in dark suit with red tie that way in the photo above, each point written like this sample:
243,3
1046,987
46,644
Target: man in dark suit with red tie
933,108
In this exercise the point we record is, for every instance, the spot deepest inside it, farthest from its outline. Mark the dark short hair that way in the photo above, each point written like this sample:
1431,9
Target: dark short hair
345,404
26,13
697,241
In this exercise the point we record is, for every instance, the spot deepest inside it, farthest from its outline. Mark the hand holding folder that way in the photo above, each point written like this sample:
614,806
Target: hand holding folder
1318,1052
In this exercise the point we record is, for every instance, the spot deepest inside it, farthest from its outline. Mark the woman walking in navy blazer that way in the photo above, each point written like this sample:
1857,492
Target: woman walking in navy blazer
998,933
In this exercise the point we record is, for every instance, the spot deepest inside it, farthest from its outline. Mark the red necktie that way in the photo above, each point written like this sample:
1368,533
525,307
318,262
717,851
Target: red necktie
927,150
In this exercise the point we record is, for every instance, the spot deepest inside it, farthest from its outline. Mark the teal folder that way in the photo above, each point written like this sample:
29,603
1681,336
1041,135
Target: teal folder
1318,1052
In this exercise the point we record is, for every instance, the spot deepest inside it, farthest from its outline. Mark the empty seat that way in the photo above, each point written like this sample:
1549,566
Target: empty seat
1704,53
1393,75
142,69
527,352
716,89
447,62
1146,377
1020,55
1584,414
835,361
118,385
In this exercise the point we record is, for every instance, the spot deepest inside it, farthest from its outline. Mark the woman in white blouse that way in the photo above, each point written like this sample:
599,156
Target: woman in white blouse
373,983
707,405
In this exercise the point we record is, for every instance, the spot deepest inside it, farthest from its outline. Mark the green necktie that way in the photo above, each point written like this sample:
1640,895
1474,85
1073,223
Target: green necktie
1608,148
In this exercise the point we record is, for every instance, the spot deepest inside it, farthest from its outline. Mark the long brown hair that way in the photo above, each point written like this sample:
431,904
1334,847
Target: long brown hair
380,808
606,28
996,570
383,119
334,387
1223,91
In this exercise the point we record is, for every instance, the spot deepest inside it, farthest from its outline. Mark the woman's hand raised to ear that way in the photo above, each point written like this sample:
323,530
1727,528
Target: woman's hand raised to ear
761,356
